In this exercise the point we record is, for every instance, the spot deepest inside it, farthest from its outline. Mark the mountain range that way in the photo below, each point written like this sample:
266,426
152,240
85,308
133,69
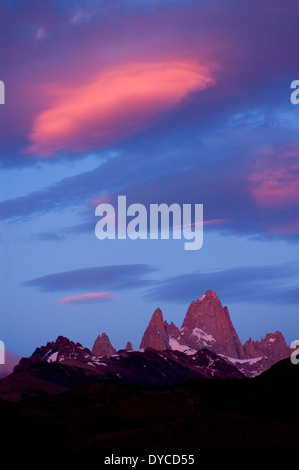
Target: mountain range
193,388
205,347
207,324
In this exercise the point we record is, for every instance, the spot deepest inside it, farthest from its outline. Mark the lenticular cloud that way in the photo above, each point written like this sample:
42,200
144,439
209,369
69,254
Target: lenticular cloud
89,298
115,105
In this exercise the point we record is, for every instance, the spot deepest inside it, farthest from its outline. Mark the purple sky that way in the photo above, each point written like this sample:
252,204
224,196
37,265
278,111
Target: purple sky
174,101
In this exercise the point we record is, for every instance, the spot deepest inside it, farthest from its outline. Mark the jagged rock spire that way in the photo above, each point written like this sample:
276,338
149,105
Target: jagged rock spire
102,346
155,335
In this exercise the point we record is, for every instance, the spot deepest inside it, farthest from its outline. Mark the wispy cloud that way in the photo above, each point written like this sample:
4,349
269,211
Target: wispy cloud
253,284
114,277
231,191
199,33
275,178
124,93
89,298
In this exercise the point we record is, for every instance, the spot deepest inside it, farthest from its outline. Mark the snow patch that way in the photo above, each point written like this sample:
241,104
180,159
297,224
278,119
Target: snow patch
176,346
211,362
163,357
53,357
98,362
234,360
203,336
190,352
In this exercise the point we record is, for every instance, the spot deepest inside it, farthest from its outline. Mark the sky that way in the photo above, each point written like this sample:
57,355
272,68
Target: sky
163,101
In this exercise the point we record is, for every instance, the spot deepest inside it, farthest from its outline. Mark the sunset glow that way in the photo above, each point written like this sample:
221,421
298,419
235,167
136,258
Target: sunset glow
87,298
115,105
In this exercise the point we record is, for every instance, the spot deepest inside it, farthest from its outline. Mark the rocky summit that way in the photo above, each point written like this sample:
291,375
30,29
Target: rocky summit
206,328
207,324
61,350
155,335
102,346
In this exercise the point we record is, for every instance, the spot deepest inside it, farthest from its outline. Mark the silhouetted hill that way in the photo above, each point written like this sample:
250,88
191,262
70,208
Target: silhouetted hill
200,414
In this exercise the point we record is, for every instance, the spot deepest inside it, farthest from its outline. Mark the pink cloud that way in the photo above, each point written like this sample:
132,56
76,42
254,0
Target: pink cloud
100,200
115,105
205,222
215,222
89,298
275,179
288,228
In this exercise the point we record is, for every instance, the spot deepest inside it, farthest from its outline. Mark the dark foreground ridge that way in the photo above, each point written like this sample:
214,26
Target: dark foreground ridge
36,377
252,413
